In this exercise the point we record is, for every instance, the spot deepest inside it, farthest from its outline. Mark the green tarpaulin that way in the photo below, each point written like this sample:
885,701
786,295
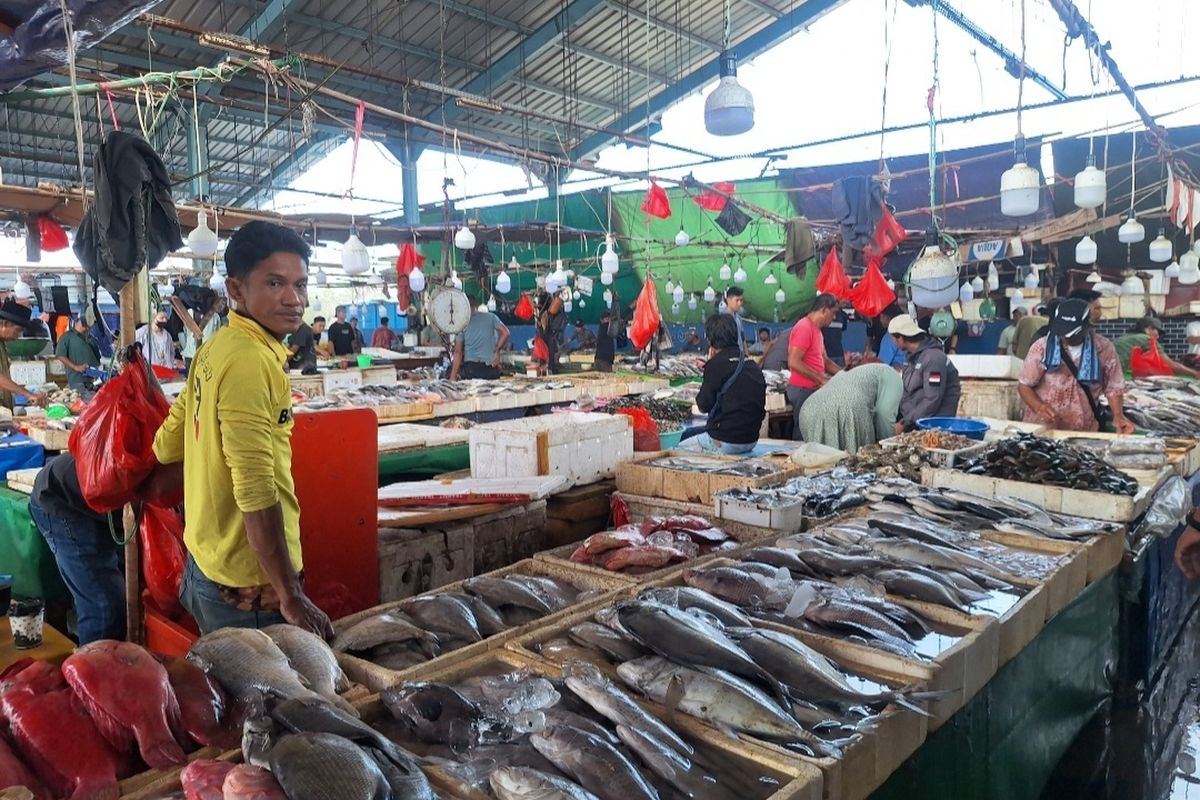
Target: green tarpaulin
23,551
422,464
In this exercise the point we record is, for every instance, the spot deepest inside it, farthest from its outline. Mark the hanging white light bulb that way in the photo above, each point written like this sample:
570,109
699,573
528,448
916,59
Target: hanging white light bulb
217,283
780,296
609,262
693,304
583,303
1086,251
977,285
1187,261
740,276
355,258
504,280
682,239
606,278
202,241
567,306
965,293
320,279
993,278
1018,299
1020,185
416,280
677,293
166,289
608,298
575,295
1189,271
670,285
1161,249
770,280
1131,231
709,293
1031,279
1094,277
1090,185
726,273
1172,270
464,238
729,108
1132,285
491,303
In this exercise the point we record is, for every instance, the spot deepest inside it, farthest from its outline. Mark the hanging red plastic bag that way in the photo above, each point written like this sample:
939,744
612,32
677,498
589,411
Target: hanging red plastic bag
161,544
1144,363
113,440
833,279
408,258
645,430
541,352
524,309
872,294
646,318
657,204
53,237
711,201
889,233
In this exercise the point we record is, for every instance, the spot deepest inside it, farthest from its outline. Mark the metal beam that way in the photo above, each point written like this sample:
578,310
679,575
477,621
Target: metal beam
411,201
1012,62
257,28
286,170
663,25
510,64
747,48
197,156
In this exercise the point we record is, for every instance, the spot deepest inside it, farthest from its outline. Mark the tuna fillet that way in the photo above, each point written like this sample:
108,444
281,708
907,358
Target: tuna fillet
245,782
203,779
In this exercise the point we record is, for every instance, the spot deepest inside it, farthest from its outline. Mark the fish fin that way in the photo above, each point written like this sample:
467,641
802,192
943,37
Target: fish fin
343,704
115,732
674,696
163,754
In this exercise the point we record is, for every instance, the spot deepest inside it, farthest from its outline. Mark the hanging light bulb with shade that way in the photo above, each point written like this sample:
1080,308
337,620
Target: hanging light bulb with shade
1131,231
202,241
1020,185
977,286
355,258
609,263
491,303
606,278
682,239
322,279
504,280
770,280
965,293
1189,261
1161,249
1172,270
416,280
575,295
1018,299
1086,250
780,296
1031,279
464,238
568,306
725,273
693,304
993,278
1132,285
677,293
709,293
1094,277
1090,185
1189,270
740,276
669,287
729,108
608,298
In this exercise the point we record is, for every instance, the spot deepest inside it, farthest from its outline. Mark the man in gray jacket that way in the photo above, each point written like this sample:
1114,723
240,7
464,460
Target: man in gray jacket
931,384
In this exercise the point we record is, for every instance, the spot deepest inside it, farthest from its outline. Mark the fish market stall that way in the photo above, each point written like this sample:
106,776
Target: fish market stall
693,477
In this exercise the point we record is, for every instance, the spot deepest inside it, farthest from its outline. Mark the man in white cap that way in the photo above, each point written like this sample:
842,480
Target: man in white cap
931,384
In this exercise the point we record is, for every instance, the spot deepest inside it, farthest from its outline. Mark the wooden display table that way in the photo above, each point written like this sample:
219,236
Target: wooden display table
55,647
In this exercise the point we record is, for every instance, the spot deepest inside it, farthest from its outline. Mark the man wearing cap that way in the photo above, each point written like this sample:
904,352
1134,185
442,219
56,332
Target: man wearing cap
931,385
15,319
1145,335
1069,370
77,352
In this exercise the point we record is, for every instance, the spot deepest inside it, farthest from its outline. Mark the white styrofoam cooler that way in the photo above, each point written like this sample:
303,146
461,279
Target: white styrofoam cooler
990,366
583,448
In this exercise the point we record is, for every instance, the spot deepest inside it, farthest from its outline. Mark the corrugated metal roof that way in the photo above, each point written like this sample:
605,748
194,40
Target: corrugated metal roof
558,85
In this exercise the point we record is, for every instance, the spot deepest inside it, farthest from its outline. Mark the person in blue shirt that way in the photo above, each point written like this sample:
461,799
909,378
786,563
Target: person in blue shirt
888,351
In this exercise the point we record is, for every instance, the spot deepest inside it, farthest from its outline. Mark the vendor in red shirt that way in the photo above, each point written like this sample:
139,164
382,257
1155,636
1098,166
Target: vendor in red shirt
807,360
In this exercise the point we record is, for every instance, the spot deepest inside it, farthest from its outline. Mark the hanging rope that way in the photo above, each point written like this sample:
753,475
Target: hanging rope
69,31
930,104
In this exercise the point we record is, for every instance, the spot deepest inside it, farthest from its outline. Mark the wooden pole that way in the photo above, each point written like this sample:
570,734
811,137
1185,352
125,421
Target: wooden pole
133,570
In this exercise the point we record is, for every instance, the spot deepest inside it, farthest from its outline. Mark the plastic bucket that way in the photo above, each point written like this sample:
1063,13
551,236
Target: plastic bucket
669,441
364,361
963,426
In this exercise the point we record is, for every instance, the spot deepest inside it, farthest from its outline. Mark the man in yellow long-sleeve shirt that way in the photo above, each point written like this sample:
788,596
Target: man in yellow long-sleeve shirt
232,429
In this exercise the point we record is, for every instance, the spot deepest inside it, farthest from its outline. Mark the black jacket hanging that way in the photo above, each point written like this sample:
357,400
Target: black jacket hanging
132,220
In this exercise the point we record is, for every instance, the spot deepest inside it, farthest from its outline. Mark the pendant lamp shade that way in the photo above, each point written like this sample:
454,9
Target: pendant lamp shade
1094,277
780,296
770,280
464,238
202,241
729,109
416,280
503,282
1031,280
1188,261
321,278
491,304
606,278
608,298
1172,270
677,293
977,285
965,293
1090,185
1189,271
693,304
568,306
1017,299
1161,249
1020,185
355,258
709,293
609,263
1086,251
726,273
682,239
1132,285
740,276
1131,231
993,278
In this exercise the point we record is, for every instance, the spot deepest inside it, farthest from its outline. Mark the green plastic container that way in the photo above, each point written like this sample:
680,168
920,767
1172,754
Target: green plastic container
364,361
668,441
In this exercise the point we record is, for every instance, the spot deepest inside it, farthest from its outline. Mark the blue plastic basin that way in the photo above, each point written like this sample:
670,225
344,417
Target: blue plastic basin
963,426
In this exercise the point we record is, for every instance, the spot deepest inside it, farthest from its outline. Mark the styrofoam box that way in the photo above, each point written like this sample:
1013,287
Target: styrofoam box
28,373
583,448
786,518
997,367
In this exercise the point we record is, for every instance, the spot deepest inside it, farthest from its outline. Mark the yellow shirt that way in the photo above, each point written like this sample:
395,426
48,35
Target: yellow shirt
232,428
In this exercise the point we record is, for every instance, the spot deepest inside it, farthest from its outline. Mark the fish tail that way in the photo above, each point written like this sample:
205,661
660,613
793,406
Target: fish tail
343,704
162,754
904,702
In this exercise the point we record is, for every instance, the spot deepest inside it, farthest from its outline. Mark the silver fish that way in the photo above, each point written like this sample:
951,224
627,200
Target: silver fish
685,597
523,783
321,766
590,684
487,618
390,627
596,765
740,587
312,658
444,615
605,640
248,665
502,592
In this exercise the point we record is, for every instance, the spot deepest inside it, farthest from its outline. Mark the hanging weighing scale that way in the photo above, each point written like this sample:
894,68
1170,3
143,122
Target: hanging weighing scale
449,310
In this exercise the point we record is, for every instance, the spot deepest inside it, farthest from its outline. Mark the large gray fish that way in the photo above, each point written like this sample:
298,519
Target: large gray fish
312,658
679,771
933,556
741,588
685,597
590,684
860,619
513,692
596,765
248,665
778,557
827,562
390,627
487,618
444,615
606,640
321,766
718,697
523,783
688,639
503,592
557,594
907,527
907,583
436,713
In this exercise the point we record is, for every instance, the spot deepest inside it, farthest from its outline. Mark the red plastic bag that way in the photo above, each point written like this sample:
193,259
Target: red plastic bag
113,440
53,237
888,234
620,511
541,351
711,201
162,550
833,279
524,309
408,258
656,203
872,294
645,430
1144,363
646,318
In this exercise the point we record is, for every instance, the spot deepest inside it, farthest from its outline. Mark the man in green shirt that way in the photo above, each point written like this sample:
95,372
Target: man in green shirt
77,352
1145,331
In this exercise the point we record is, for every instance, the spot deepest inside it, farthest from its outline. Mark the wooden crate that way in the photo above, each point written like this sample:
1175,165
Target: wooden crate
413,561
1076,502
377,678
637,477
583,448
577,513
990,398
866,762
400,412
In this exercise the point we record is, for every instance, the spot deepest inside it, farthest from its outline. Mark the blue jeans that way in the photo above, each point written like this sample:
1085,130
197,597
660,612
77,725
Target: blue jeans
90,563
710,444
203,600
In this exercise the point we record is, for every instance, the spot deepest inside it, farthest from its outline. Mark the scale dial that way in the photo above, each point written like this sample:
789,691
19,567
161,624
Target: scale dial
449,310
